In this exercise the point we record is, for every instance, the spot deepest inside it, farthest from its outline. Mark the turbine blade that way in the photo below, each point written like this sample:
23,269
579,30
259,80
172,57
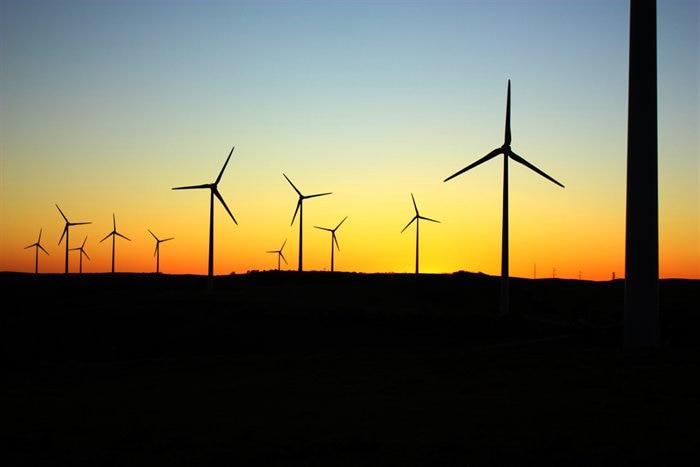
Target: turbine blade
224,167
216,193
107,236
323,228
428,219
283,244
414,204
335,239
318,194
411,222
507,138
64,216
296,210
487,157
341,223
83,253
166,239
155,252
80,223
517,158
39,239
154,235
42,248
190,187
65,230
282,256
122,236
114,223
295,188
81,246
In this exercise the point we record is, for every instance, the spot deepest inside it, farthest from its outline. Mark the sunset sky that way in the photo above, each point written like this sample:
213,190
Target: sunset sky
105,106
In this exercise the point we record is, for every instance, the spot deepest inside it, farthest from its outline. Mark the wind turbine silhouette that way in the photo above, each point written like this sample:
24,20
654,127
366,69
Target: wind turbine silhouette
66,232
114,234
82,252
417,218
37,246
214,191
333,238
300,209
156,253
507,154
279,254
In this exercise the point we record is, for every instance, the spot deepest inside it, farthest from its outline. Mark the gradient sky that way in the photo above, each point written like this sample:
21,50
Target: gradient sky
106,106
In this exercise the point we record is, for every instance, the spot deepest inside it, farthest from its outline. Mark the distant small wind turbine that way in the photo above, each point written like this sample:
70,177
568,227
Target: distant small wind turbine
114,235
37,246
156,253
66,232
333,239
279,254
214,191
507,154
82,252
417,218
300,209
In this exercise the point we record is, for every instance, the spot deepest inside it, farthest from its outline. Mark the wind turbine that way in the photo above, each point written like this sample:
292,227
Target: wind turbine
214,191
156,253
65,232
114,235
417,218
300,209
333,238
279,254
82,252
507,154
37,246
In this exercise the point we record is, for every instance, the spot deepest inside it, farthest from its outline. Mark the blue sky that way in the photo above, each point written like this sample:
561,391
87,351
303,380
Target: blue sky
107,105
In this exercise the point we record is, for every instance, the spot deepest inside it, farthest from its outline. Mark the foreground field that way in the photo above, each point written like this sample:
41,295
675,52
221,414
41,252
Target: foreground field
341,369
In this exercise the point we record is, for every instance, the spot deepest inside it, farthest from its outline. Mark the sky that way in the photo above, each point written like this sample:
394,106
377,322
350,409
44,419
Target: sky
106,106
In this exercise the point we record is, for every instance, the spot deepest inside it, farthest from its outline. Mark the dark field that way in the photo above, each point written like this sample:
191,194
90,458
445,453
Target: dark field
336,369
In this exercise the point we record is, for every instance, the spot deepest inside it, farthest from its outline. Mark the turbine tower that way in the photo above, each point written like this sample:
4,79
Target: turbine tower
300,209
507,154
156,253
641,308
333,239
37,246
114,235
279,254
82,252
66,232
417,218
214,191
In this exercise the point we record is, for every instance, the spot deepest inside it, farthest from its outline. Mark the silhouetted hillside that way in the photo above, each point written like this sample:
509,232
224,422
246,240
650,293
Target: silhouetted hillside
317,368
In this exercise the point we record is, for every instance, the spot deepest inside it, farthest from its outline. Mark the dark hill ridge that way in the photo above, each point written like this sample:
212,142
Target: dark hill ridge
318,368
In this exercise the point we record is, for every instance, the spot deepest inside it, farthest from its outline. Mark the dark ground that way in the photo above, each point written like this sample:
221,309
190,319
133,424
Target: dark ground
335,369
